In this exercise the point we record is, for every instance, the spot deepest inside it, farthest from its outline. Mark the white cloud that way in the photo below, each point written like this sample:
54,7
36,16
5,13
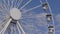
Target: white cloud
42,19
31,25
58,18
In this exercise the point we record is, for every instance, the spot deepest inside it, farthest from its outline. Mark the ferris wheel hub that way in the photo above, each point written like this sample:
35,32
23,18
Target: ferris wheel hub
15,13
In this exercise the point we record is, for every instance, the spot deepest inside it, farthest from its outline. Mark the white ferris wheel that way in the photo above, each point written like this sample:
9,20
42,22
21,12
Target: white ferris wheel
11,14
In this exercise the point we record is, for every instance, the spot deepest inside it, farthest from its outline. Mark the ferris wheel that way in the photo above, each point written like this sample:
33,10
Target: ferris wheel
13,10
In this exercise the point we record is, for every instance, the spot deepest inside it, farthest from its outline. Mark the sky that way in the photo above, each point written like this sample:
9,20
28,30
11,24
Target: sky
33,20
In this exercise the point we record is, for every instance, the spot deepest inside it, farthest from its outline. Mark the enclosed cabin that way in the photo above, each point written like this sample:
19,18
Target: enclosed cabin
49,17
44,6
50,29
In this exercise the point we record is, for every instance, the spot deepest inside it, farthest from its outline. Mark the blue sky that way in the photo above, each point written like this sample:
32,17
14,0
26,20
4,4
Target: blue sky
33,20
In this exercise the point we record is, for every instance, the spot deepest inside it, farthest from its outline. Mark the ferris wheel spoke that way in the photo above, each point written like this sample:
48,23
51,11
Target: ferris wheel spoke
41,1
4,4
32,8
18,3
12,2
2,7
2,12
25,4
15,1
8,4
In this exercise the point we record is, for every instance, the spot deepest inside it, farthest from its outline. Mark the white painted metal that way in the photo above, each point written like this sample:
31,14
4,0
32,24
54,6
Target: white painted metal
15,13
52,15
33,8
26,4
20,27
3,30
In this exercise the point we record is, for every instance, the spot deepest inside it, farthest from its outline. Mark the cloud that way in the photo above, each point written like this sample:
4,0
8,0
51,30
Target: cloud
42,19
58,18
32,22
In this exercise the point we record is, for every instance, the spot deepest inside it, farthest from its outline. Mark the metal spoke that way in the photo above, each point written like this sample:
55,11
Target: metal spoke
18,3
12,4
4,4
32,8
25,4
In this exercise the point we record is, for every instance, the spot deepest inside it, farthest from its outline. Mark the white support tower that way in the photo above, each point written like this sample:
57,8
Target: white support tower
15,15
